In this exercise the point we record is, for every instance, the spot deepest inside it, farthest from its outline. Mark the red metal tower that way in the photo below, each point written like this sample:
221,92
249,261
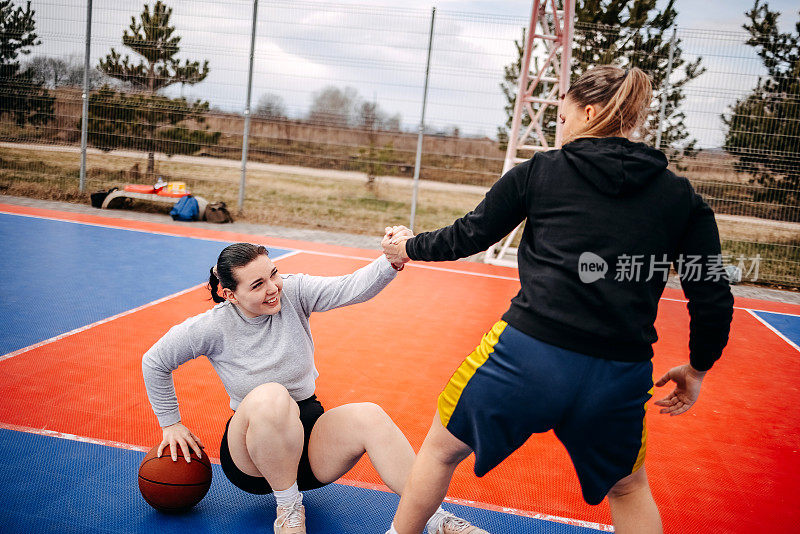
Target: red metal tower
549,40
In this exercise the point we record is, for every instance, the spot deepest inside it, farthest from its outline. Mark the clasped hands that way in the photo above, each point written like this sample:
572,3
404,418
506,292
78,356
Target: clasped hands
394,245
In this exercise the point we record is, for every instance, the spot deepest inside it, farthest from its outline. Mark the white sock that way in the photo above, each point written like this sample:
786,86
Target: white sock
391,530
288,496
436,520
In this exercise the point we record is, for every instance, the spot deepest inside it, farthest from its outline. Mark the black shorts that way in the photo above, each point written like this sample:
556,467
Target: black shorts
310,410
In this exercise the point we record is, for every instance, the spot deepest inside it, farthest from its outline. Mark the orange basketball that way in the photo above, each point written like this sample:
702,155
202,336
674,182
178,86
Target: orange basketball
171,486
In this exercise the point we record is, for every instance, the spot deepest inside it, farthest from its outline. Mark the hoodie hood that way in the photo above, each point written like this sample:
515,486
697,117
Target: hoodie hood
615,165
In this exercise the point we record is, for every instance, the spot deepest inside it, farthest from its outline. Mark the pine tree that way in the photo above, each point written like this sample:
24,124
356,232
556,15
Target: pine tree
764,127
145,119
509,86
21,96
627,33
127,120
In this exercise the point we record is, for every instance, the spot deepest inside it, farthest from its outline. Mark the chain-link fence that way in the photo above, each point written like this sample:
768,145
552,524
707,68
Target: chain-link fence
336,103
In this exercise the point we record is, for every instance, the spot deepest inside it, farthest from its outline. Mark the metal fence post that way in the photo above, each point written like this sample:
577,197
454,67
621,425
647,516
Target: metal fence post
418,160
246,136
662,113
85,96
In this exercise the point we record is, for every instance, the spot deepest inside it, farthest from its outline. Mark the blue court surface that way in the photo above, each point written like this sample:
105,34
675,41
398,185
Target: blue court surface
63,486
77,274
67,275
786,324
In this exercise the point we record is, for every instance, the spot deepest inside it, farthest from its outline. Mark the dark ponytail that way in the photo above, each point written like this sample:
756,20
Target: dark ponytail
213,285
231,257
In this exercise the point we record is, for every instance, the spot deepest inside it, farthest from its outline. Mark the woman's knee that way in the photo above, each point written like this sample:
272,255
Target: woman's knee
369,416
632,483
443,445
269,402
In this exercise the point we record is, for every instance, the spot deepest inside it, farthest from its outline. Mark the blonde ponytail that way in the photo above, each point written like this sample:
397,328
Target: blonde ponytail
623,96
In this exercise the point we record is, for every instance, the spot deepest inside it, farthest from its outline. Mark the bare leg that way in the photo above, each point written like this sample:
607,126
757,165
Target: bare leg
430,477
265,436
342,435
633,509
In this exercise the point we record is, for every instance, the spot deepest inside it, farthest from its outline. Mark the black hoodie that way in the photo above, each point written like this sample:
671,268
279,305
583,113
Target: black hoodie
594,203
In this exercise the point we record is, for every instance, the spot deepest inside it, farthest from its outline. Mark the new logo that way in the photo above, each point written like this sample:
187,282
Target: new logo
591,267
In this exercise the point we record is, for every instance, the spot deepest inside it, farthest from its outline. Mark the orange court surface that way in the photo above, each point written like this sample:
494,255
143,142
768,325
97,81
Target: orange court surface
729,465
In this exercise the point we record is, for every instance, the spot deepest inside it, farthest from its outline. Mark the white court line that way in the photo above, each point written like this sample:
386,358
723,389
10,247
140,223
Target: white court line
96,323
330,254
298,250
740,308
113,317
490,507
111,226
534,515
220,240
413,265
768,311
752,312
346,256
286,255
775,330
343,481
73,437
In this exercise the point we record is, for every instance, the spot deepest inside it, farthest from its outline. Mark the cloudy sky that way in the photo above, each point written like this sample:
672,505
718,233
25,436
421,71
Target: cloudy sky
379,49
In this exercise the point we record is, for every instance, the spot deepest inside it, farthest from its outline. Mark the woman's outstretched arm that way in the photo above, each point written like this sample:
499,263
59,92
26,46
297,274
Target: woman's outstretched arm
322,293
501,210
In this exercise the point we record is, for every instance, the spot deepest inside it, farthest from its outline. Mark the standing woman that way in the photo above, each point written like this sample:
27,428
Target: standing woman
279,439
573,352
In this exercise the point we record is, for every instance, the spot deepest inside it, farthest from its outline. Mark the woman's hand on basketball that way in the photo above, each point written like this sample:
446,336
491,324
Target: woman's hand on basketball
688,382
178,435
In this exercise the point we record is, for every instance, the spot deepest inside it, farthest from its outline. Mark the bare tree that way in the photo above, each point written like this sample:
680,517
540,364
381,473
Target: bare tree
392,123
334,107
270,106
54,72
368,116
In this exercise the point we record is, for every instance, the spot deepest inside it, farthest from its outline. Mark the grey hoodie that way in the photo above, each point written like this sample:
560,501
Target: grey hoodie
247,352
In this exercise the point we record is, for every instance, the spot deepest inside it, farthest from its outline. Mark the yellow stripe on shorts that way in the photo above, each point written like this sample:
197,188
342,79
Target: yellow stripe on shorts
448,399
643,448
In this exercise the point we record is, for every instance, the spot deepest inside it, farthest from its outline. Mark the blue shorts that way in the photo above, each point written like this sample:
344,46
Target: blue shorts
514,385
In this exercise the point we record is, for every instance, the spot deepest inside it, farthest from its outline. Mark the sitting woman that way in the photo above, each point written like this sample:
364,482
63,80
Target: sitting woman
279,438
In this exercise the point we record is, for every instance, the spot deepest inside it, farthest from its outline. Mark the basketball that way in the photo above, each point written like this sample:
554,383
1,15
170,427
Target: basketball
171,486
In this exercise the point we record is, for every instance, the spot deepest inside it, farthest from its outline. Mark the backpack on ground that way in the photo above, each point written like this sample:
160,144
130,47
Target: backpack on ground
217,212
186,209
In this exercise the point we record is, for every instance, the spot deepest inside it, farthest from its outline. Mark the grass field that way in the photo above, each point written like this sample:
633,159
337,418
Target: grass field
271,198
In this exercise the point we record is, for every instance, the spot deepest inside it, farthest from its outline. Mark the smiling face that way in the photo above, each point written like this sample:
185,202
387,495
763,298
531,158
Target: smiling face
258,289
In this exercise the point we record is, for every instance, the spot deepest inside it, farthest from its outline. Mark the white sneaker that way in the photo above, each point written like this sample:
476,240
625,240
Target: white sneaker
291,519
456,525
